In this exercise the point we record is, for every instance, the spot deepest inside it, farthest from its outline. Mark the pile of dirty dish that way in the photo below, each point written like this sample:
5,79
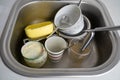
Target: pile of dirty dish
51,39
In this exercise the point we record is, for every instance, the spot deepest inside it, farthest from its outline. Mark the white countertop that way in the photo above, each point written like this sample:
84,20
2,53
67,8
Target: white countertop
6,74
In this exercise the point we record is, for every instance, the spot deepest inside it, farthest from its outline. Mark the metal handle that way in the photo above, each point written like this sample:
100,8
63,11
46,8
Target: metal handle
112,28
85,45
79,2
52,32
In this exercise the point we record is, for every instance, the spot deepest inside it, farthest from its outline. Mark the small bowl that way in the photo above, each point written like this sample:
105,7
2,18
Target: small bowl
80,35
34,54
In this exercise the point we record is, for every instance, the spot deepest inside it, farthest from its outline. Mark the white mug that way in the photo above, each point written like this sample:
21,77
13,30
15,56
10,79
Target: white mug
74,19
55,46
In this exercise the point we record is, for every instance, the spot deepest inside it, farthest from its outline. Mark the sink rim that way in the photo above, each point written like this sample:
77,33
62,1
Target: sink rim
83,71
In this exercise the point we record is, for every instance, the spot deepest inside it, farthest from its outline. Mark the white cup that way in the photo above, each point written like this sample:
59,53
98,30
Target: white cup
74,19
55,46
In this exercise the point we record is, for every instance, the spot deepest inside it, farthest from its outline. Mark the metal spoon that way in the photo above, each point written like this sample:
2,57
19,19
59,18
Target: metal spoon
95,30
87,42
79,2
111,28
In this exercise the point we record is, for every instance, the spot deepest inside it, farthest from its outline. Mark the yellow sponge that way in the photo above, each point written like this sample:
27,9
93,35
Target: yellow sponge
39,30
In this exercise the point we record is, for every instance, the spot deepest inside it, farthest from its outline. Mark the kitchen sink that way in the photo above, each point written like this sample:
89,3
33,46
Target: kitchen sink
105,52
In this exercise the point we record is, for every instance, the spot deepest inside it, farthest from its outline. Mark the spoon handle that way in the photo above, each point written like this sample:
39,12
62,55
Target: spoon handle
53,32
112,28
79,2
87,42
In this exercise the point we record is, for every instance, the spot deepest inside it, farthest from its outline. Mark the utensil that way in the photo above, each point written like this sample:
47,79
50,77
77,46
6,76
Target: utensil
53,32
111,28
87,42
79,2
64,20
95,30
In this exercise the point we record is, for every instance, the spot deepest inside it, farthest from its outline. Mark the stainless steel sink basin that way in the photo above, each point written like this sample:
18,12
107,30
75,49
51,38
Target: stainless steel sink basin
104,56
